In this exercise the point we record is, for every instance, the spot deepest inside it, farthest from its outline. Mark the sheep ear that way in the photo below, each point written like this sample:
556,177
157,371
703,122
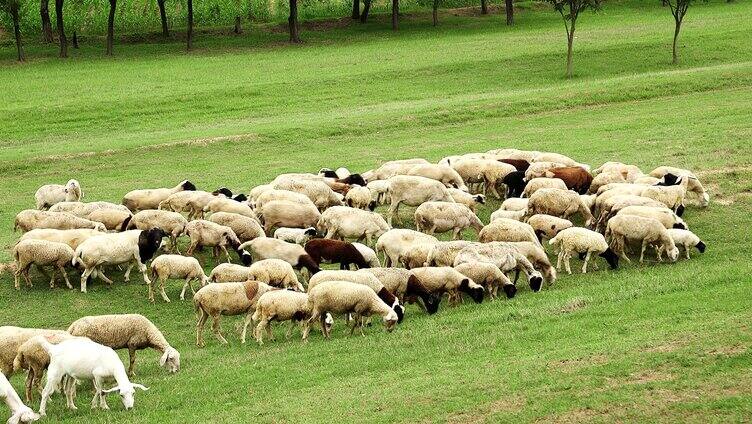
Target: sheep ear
114,389
139,386
163,359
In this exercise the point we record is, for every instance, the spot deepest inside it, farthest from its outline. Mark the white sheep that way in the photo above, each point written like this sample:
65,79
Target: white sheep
414,191
503,229
433,217
514,204
630,172
582,242
295,235
137,200
693,183
444,174
245,228
41,253
345,222
257,191
273,194
271,248
505,214
394,243
191,201
606,178
503,255
686,239
282,305
470,200
488,172
30,219
70,237
539,169
164,267
370,256
223,204
392,168
440,280
537,257
317,191
416,255
443,252
172,224
360,198
671,196
51,194
542,182
614,204
282,213
547,226
647,230
378,189
560,203
226,273
508,153
19,412
276,273
83,209
112,219
32,357
405,286
666,216
488,276
207,233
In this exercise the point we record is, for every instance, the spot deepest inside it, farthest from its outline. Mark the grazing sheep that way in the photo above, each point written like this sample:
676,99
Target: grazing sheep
172,224
378,189
414,191
276,273
555,157
345,222
470,200
344,297
542,182
406,286
515,215
488,276
515,182
223,204
32,357
72,238
83,209
489,172
295,235
192,201
693,183
537,257
519,164
560,203
364,278
273,194
209,234
629,172
335,251
178,267
41,253
281,213
31,219
440,280
503,255
547,226
293,254
606,178
614,204
113,220
526,155
282,305
392,168
360,197
417,255
134,247
666,216
51,194
137,200
229,299
671,196
583,242
132,331
245,228
257,191
19,412
444,252
686,239
514,204
226,273
539,169
433,217
317,191
647,230
507,230
575,178
368,254
394,243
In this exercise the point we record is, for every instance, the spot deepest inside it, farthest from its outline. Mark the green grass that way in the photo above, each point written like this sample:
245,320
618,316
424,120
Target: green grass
666,343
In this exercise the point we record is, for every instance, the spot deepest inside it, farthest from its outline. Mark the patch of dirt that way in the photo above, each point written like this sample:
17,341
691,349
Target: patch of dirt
505,404
728,350
577,363
667,347
580,415
573,304
644,377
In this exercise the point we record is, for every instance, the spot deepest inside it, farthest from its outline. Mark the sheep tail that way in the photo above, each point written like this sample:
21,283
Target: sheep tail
18,362
76,257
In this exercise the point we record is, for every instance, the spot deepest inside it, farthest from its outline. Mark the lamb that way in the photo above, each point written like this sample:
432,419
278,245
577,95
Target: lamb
505,256
542,182
295,235
693,183
138,200
503,214
281,213
666,216
83,359
470,200
515,182
539,169
335,251
488,276
192,201
440,280
317,191
648,230
583,242
172,224
378,189
245,228
276,273
394,243
223,204
507,230
19,412
537,257
431,217
343,297
293,254
132,331
364,278
575,178
178,267
282,305
368,254
444,252
134,246
226,273
547,226
229,299
32,357
416,255
442,173
561,203
273,194
30,219
414,191
345,222
51,194
360,197
113,220
686,239
41,253
207,233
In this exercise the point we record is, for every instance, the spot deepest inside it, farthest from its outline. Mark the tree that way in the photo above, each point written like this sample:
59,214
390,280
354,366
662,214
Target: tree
44,13
162,17
366,9
355,10
111,27
483,7
189,38
61,28
678,9
395,15
570,11
509,8
293,22
12,6
435,12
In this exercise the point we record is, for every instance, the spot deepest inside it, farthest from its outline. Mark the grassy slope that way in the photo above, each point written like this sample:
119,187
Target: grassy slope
663,343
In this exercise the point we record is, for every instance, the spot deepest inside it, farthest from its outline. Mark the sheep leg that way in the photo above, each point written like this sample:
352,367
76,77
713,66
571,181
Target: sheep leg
65,276
162,290
132,361
53,381
202,317
246,323
260,331
566,263
98,387
456,234
191,248
29,384
217,330
52,279
69,388
26,276
587,259
289,330
270,332
559,259
185,286
686,250
17,283
227,254
642,249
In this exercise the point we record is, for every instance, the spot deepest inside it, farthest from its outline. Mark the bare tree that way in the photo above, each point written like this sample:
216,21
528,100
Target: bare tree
355,9
366,9
44,13
395,14
61,28
570,11
163,18
189,41
293,22
678,10
111,27
12,6
509,8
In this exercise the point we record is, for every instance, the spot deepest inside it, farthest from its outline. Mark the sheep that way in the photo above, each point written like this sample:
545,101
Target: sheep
470,200
503,229
338,174
70,237
276,273
293,254
345,222
257,191
554,157
416,255
83,209
378,189
588,200
575,178
132,331
360,197
526,155
666,216
335,251
207,233
363,278
245,228
488,276
450,160
693,183
317,191
629,172
41,253
405,286
671,196
440,280
539,169
583,242
561,203
647,180
344,297
112,219
178,267
443,252
30,219
605,178
223,204
172,224
431,217
368,254
503,255
83,359
282,305
542,182
515,182
414,191
616,203
295,235
392,168
686,239
137,200
515,215
547,226
648,230
537,257
114,249
19,412
442,173
394,243
281,213
32,357
273,194
51,194
229,299
514,204
487,171
226,273
193,202
519,164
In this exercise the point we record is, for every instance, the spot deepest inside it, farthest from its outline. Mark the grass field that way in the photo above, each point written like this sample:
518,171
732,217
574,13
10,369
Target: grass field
659,343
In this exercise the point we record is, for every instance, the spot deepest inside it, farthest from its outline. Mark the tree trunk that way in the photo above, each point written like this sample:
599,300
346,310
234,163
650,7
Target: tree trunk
355,9
163,18
238,28
293,22
61,28
17,30
483,7
75,40
435,12
509,7
395,14
366,8
44,13
190,25
676,37
111,27
570,42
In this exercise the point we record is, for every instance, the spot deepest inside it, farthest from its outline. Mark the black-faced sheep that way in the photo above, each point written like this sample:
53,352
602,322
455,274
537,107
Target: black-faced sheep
433,217
137,200
335,251
582,242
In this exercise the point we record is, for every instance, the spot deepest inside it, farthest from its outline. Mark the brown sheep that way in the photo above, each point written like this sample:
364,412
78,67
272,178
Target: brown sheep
575,177
335,251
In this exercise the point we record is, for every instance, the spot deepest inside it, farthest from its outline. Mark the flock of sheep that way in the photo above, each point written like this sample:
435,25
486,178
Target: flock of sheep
283,231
